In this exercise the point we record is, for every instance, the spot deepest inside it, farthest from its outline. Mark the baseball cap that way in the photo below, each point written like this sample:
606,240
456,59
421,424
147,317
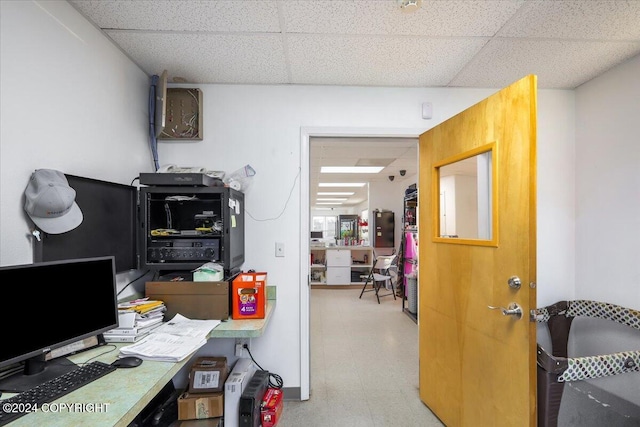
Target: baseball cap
50,202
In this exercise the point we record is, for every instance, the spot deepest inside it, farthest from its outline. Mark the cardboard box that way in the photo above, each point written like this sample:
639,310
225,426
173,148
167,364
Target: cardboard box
272,406
194,300
208,375
249,296
200,406
208,422
237,381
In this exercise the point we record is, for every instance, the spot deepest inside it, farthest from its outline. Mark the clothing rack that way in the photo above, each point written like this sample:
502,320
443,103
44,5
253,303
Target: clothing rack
407,259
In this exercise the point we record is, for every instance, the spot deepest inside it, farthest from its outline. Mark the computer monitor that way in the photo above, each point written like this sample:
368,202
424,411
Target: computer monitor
49,305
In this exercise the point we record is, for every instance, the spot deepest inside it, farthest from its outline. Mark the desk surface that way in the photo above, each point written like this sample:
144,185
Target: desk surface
123,394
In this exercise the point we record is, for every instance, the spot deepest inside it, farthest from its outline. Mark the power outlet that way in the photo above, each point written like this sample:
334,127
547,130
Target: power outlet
240,343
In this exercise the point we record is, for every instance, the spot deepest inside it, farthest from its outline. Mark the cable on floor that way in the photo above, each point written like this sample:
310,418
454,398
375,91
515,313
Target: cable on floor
277,379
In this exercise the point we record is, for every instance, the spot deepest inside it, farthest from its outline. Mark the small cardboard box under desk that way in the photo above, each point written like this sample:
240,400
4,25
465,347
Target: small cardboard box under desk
193,300
198,406
208,374
205,395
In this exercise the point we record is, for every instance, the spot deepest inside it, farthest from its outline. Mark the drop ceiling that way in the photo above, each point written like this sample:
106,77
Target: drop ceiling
396,154
487,44
479,44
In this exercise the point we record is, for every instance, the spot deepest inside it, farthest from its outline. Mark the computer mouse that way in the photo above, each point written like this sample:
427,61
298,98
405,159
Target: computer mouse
127,362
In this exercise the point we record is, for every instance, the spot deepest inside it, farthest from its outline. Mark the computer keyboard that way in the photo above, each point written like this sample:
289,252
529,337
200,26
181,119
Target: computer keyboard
21,404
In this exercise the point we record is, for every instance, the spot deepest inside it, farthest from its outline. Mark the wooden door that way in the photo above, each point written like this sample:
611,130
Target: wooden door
478,365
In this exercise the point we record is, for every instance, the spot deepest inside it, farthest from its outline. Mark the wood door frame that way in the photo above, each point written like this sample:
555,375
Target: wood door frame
306,133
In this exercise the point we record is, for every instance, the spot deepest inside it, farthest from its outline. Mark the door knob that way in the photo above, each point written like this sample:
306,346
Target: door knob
514,282
513,310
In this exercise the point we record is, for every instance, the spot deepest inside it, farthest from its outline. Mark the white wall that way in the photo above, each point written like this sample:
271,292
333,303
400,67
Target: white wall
261,125
459,206
448,205
389,195
72,101
466,216
556,197
608,214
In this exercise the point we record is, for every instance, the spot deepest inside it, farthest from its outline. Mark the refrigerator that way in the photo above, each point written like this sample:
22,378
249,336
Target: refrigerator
381,226
347,228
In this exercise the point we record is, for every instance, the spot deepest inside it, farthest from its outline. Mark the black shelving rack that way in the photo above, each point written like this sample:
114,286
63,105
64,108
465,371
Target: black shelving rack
409,224
183,227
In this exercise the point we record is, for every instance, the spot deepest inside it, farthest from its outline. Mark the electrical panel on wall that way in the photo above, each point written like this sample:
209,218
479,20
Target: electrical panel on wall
178,112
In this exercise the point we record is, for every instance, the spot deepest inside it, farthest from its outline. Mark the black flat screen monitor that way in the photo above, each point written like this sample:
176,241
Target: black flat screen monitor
108,226
50,305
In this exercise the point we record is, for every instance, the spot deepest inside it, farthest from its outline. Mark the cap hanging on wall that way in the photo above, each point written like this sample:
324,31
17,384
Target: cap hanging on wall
50,202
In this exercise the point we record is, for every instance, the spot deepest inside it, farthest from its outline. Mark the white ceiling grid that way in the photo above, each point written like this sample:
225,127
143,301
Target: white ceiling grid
445,43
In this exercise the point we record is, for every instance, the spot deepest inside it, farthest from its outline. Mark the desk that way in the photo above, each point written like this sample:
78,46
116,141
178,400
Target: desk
126,392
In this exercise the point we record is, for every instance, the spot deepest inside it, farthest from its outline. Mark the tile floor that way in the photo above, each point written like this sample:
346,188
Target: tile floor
364,365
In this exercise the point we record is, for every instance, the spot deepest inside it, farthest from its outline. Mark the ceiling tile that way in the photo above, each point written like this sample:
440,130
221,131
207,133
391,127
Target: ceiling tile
434,18
593,20
378,60
504,61
183,15
372,42
207,58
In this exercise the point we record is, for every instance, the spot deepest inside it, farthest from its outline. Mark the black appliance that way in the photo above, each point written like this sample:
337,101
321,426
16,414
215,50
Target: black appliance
108,227
172,179
183,227
382,225
251,399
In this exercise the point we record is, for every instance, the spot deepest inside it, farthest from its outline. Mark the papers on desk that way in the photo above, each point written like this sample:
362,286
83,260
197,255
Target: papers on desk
133,325
172,341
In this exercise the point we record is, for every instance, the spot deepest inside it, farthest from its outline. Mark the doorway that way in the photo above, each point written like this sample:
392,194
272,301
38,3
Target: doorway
341,139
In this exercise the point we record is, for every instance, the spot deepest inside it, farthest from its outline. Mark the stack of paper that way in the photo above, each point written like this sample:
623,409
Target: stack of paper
136,319
172,341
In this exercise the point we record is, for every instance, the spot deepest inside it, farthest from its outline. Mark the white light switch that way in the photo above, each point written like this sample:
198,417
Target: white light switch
279,249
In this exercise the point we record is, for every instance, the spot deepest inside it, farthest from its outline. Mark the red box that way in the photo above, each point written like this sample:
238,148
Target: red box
249,296
272,405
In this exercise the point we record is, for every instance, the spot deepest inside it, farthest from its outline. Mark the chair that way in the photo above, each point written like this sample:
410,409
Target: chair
383,273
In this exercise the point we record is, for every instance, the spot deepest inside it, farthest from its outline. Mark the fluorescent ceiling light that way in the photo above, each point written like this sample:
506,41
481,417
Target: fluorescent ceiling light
332,199
341,184
322,209
351,169
328,203
336,193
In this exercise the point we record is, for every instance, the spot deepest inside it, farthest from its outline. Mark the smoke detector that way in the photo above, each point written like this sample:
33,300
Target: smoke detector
409,6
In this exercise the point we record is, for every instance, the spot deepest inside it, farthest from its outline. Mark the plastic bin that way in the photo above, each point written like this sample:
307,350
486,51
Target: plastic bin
412,294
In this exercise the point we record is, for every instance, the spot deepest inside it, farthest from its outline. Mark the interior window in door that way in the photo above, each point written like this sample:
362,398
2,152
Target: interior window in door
466,205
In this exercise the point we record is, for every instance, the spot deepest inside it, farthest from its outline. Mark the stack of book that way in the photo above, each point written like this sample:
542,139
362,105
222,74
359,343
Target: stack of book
136,319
